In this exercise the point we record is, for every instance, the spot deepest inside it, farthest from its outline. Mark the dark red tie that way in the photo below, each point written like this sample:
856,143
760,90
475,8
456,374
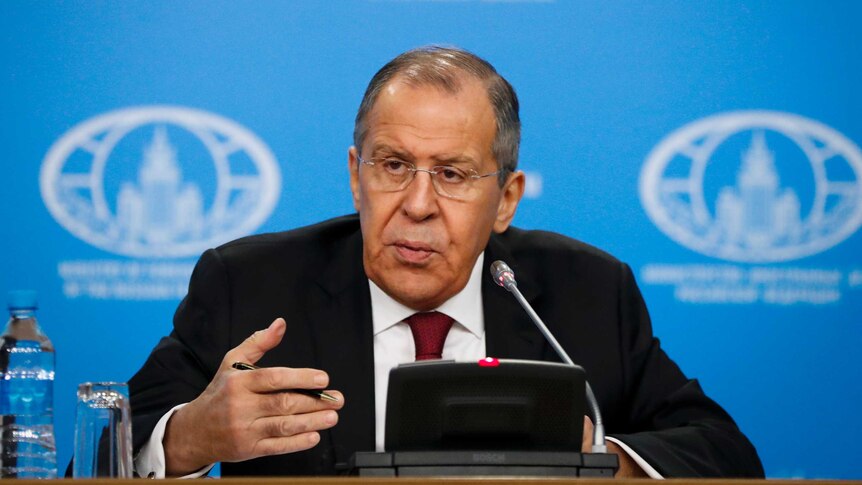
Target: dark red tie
429,332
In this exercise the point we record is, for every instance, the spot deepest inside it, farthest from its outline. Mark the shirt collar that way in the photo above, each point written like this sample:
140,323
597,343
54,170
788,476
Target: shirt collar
465,307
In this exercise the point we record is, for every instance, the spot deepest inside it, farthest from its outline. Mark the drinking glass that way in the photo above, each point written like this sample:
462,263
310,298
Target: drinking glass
103,431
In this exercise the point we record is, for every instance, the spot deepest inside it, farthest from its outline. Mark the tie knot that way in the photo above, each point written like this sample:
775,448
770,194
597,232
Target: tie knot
429,333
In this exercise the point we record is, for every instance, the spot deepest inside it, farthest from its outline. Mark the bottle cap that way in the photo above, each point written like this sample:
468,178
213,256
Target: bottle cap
22,300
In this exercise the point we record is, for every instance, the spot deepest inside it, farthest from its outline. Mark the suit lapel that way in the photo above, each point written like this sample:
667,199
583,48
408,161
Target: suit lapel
509,332
343,339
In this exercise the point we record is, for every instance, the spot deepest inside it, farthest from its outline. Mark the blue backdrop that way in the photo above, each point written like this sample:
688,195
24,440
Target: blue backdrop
713,146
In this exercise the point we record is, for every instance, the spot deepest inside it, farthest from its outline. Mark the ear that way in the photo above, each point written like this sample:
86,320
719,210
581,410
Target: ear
353,168
511,195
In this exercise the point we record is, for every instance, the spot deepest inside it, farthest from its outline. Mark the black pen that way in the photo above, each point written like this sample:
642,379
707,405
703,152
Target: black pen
307,392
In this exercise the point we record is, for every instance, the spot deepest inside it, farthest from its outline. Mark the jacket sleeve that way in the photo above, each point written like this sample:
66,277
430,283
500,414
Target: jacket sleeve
671,423
182,364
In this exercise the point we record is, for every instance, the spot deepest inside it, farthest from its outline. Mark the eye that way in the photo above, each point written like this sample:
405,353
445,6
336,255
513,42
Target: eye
450,175
394,166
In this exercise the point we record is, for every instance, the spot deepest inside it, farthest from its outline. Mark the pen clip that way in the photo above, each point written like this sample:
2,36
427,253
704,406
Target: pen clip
244,366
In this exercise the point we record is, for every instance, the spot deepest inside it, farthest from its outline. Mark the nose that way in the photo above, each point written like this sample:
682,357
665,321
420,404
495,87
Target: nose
420,197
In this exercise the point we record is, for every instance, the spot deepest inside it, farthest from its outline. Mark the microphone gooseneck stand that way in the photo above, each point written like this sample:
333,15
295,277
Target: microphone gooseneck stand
505,277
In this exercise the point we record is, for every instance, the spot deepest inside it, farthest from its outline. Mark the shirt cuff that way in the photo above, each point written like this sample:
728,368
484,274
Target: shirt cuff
646,467
150,462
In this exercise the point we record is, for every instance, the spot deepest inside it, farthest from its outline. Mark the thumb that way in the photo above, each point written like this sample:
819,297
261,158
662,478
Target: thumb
257,344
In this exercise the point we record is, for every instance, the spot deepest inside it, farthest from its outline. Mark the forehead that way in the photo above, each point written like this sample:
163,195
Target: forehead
427,121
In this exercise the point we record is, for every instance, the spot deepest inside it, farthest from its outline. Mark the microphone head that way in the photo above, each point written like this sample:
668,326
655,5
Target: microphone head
503,274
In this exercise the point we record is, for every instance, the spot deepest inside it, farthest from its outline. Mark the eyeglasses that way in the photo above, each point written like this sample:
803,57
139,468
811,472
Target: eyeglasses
392,174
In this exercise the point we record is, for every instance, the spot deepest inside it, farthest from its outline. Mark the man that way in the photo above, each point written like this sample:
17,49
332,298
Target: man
434,181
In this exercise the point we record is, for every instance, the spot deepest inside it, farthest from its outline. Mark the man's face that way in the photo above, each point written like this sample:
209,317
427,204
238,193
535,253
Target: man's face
419,246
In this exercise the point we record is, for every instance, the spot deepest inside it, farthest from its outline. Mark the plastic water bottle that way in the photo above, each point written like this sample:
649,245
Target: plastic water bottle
27,448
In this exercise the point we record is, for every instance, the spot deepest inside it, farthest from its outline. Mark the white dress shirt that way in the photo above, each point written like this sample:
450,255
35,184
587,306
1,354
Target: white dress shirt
393,339
393,345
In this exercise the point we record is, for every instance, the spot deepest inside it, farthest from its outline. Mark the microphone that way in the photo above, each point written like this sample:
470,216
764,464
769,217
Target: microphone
505,277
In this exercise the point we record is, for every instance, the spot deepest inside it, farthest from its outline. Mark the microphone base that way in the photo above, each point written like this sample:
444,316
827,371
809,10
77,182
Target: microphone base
483,463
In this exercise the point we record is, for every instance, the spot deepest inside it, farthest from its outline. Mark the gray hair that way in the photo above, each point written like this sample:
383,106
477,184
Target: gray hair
443,67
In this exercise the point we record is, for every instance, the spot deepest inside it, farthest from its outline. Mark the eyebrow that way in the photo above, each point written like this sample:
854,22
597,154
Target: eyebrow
457,160
387,150
390,151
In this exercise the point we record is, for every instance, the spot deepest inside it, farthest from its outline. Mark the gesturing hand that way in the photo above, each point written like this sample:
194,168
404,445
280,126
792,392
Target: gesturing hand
242,415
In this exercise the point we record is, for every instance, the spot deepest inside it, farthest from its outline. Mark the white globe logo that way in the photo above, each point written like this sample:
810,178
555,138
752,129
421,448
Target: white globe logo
161,211
758,219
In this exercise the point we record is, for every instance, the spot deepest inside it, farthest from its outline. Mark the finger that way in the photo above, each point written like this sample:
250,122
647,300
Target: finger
288,403
272,379
257,344
587,441
284,426
291,444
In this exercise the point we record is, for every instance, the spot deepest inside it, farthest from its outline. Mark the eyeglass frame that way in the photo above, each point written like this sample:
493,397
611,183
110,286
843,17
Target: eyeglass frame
433,171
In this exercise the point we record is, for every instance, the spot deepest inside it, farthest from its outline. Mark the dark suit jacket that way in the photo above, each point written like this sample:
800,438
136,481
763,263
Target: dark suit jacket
314,278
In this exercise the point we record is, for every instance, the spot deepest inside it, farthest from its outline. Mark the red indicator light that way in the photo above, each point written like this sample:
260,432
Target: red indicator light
489,362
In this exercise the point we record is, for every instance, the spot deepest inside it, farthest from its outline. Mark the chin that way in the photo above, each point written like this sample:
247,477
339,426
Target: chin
420,287
412,289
